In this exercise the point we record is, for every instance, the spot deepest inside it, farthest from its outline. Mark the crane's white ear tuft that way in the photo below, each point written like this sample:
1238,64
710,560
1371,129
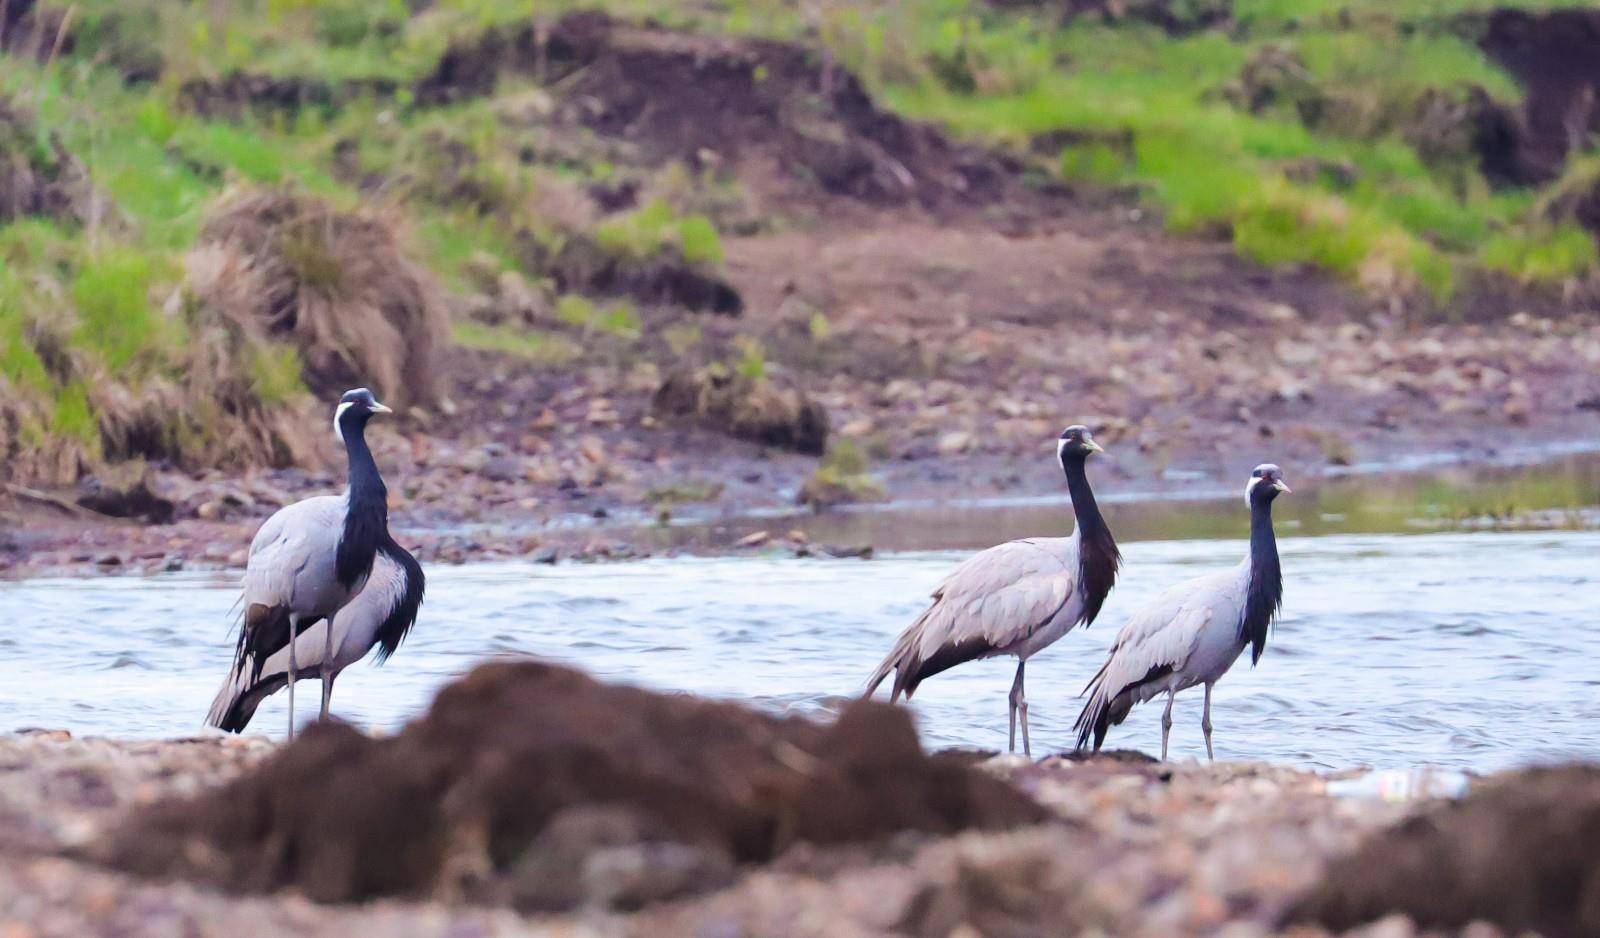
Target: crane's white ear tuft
1250,487
338,431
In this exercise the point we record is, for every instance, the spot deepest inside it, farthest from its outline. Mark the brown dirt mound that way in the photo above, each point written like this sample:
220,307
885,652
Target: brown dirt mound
125,494
337,285
38,179
759,410
1556,58
772,111
582,266
1523,853
525,780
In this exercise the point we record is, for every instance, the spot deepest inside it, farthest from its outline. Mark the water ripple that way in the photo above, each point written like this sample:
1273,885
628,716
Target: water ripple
1392,649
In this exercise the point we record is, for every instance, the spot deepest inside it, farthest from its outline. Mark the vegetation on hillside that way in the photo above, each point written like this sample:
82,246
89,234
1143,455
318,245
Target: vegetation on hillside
1358,136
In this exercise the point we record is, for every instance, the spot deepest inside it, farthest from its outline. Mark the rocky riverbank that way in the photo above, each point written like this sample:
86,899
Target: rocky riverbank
1118,844
1132,848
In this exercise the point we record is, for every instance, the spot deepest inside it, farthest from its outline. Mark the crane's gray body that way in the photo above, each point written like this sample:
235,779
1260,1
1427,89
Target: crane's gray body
1192,628
1013,599
293,559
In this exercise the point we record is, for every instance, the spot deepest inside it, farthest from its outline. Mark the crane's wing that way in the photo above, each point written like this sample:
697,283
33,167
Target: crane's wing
992,601
292,556
385,606
1155,642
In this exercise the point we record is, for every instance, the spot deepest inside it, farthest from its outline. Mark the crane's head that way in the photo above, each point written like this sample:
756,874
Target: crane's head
355,408
1076,441
1266,482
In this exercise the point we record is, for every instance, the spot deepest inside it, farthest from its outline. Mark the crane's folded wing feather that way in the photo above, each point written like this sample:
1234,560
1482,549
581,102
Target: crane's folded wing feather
1161,635
993,600
1000,596
292,556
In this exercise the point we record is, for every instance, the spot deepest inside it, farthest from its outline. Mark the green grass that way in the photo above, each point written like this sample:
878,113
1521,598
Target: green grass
73,418
1551,255
618,318
536,347
655,228
112,297
1211,166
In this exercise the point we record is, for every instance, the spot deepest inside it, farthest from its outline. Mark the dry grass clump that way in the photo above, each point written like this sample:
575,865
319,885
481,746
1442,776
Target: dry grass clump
27,452
222,415
746,406
336,285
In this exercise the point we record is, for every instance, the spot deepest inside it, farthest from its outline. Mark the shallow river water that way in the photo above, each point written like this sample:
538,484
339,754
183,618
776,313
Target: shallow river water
1465,648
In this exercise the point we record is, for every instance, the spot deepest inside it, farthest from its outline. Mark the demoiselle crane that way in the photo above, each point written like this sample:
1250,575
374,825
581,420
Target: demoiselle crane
1193,632
1016,598
326,571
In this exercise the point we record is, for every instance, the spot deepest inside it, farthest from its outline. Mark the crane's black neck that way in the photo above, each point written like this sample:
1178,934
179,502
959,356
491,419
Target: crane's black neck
366,520
1098,557
1264,595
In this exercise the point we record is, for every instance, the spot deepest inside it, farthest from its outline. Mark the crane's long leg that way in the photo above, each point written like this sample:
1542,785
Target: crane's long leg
1019,705
327,668
327,691
294,632
1166,722
1205,725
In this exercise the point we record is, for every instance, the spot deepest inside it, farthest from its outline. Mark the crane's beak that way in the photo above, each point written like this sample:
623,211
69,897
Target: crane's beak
1094,447
378,408
1282,486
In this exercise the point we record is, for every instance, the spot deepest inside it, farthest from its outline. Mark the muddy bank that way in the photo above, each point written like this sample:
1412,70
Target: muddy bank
726,504
1131,847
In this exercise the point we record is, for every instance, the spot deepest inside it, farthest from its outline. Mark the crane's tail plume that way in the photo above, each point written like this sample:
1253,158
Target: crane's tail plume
1108,707
898,660
263,632
238,698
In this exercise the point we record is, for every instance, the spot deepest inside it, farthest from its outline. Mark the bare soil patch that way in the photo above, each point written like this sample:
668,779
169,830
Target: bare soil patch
1555,56
779,116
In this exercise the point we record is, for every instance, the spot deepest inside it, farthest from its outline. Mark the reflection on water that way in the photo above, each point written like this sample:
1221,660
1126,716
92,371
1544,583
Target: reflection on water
1562,493
1471,650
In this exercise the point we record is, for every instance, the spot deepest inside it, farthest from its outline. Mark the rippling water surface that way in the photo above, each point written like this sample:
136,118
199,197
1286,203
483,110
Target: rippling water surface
1476,650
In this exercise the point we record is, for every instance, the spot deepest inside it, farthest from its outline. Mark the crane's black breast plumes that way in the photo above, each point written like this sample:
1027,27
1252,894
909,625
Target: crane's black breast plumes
1264,595
400,619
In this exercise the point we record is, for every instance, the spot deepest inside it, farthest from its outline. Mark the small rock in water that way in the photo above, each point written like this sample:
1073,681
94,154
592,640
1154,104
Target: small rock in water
754,539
